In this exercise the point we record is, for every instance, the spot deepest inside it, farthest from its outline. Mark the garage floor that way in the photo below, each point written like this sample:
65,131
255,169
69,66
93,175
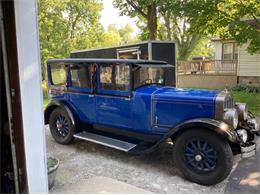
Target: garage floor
153,172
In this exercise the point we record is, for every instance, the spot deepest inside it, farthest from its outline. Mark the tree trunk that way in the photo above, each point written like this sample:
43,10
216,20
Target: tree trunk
185,48
152,21
168,25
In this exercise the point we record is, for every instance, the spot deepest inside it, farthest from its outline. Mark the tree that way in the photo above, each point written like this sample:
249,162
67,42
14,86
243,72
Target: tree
203,48
175,26
178,29
126,34
111,37
229,19
68,25
166,23
145,9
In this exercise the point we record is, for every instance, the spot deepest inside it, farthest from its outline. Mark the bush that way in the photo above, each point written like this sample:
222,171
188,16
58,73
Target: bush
246,88
44,89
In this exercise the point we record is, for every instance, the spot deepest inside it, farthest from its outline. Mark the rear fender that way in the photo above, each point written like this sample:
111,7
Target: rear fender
60,104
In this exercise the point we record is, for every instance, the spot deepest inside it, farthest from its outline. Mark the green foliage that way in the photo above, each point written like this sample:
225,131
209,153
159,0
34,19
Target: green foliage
145,10
68,25
126,34
246,88
229,19
203,48
51,162
114,36
164,20
44,89
251,99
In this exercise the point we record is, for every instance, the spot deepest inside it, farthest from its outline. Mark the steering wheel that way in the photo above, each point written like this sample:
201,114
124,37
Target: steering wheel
147,81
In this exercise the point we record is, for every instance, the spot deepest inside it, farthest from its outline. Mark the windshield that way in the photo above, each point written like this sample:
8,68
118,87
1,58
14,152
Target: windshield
151,75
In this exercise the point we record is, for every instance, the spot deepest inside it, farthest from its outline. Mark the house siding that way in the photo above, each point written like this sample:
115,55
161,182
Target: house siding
218,50
248,65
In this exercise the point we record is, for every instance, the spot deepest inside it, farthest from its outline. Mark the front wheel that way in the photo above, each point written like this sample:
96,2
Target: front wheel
202,156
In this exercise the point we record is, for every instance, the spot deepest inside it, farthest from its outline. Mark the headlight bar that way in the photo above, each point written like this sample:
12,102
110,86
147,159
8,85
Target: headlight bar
231,117
242,111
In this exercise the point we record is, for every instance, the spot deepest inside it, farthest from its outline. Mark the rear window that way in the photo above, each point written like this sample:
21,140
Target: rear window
58,74
80,76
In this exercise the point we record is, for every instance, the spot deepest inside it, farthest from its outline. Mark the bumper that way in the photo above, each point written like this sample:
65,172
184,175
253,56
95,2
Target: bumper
254,126
248,149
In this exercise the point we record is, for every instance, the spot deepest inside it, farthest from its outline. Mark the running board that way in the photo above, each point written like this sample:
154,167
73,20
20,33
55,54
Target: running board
106,141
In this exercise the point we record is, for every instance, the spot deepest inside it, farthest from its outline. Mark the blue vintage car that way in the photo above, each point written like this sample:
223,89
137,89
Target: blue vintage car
132,105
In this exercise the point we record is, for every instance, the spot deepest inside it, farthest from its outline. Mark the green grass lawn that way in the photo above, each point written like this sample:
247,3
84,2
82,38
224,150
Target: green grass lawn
252,100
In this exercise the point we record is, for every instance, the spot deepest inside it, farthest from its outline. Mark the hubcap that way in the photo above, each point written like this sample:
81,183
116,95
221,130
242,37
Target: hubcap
62,126
200,156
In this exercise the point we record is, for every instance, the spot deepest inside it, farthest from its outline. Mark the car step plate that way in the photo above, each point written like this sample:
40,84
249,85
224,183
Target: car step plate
106,141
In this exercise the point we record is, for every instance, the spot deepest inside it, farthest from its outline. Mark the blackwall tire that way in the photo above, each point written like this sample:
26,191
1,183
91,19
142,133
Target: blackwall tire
62,137
206,169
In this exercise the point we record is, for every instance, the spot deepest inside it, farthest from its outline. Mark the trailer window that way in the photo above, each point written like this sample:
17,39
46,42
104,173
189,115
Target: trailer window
115,77
58,74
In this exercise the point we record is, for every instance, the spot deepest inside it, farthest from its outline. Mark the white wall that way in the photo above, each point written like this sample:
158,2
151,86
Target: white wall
31,94
248,65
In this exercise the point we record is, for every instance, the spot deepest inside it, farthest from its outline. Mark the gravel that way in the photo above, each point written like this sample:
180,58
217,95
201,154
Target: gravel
153,172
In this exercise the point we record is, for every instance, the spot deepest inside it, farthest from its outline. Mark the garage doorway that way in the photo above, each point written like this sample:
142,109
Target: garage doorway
12,154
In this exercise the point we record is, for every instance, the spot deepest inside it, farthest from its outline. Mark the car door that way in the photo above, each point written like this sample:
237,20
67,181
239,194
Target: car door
80,91
113,99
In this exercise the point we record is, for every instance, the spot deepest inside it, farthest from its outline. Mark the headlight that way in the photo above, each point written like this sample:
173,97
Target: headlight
231,117
242,111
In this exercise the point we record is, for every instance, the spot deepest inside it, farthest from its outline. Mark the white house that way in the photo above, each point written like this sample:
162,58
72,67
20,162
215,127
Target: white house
247,65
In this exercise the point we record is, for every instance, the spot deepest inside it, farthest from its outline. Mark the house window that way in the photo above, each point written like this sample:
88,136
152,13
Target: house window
229,51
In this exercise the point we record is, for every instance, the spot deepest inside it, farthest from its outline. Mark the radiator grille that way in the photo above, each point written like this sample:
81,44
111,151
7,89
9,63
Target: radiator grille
229,102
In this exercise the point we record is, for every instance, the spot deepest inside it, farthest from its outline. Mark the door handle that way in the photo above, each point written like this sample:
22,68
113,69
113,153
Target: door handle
127,99
90,95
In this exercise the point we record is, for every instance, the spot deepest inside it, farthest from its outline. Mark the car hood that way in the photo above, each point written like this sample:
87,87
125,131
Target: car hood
185,95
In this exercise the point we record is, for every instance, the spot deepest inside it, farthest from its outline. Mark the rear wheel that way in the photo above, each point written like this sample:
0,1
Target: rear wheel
202,156
61,126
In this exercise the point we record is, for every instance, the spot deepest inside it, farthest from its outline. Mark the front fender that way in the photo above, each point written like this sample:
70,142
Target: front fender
219,127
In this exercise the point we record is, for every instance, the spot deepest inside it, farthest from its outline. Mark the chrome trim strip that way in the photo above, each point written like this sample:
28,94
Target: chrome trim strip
248,154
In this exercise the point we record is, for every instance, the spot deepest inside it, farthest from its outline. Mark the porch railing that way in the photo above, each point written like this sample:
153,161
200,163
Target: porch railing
227,67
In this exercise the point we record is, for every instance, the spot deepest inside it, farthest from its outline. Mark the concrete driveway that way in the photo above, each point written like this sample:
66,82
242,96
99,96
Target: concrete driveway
155,172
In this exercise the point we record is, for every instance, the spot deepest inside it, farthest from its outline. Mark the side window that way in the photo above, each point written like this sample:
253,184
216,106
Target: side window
58,74
115,77
80,76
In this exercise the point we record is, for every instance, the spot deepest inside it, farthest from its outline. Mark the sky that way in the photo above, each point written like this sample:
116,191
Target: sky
110,15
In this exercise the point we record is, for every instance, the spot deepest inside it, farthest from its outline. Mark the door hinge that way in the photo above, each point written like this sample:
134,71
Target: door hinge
13,92
20,173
